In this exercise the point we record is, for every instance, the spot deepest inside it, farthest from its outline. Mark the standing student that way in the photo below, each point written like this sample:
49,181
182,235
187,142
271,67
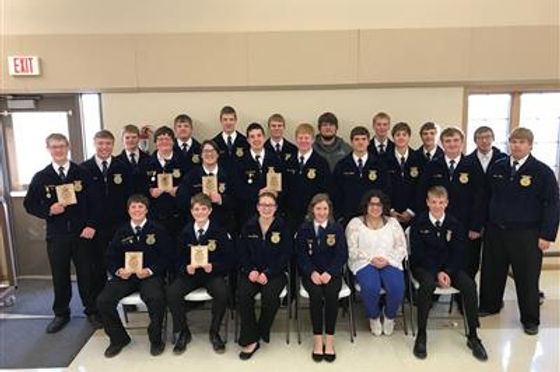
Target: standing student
71,225
276,143
429,149
133,157
322,253
523,223
233,145
138,235
113,185
185,144
381,145
327,143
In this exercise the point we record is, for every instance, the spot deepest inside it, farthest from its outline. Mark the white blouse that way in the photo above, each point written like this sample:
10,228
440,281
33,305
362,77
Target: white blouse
365,243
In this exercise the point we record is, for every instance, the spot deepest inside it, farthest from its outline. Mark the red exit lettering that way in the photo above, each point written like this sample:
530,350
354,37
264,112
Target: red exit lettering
23,65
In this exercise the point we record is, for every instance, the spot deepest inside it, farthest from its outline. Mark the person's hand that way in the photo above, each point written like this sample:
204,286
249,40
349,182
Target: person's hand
474,235
56,208
443,279
544,244
379,262
87,233
123,274
253,276
191,269
405,217
394,214
325,277
173,191
262,279
207,268
155,192
316,278
144,273
216,198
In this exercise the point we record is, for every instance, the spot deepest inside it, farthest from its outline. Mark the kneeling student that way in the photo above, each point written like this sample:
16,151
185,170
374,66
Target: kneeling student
214,248
137,259
438,243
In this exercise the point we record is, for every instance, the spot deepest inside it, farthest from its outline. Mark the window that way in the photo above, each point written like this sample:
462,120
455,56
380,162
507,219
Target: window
91,119
491,110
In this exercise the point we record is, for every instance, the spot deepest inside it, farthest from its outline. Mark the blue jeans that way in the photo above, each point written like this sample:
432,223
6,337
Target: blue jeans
371,280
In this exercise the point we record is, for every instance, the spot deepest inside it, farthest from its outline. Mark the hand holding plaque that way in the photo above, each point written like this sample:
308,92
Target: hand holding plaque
66,194
133,261
209,185
199,255
165,182
273,180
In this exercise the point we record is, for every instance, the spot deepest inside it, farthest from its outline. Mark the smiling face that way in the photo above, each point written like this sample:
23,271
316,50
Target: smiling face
437,205
256,139
200,213
183,130
130,141
327,130
401,139
381,128
58,150
266,207
209,155
228,121
452,145
321,212
137,212
375,208
429,138
276,129
103,147
484,141
304,142
164,144
519,148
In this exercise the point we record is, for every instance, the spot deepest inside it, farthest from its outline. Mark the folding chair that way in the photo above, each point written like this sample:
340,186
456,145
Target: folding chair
134,299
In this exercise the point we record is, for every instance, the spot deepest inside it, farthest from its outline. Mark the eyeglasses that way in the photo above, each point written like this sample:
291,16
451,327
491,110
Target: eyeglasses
263,205
374,204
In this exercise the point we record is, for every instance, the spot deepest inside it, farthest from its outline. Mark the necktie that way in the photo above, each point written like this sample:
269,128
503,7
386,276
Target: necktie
451,168
229,144
381,149
278,148
301,163
211,174
360,165
322,232
61,173
438,228
137,230
438,224
402,164
428,155
104,169
185,147
133,159
200,233
258,159
514,169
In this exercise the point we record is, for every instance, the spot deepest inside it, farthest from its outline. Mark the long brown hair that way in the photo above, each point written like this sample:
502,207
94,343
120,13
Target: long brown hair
319,198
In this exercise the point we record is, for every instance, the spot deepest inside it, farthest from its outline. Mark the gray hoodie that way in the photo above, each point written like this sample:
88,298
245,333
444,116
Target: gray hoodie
332,153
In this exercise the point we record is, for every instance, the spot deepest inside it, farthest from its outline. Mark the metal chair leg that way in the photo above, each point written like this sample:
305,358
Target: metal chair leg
351,319
464,317
405,323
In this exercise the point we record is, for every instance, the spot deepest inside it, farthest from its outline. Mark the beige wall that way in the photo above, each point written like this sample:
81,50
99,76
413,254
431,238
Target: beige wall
352,106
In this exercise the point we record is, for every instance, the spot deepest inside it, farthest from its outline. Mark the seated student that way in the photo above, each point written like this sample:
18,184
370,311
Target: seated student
322,253
222,199
211,276
264,249
438,243
142,235
377,247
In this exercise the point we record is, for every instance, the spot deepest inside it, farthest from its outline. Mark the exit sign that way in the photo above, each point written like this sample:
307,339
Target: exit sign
24,65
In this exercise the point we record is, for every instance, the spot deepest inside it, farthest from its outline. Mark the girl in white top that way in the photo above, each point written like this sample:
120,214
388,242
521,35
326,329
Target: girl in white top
376,248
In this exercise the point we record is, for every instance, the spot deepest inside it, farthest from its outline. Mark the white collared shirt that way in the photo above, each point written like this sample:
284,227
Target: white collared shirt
162,160
316,226
448,161
204,227
306,156
207,171
398,155
188,142
484,158
136,155
274,143
233,136
261,156
432,152
521,161
364,158
133,225
66,167
433,220
99,162
384,143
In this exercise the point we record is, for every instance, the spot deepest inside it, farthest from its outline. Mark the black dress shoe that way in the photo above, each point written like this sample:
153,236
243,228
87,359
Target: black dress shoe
478,350
531,329
115,349
181,344
95,321
157,348
217,343
318,357
484,313
329,357
246,356
420,346
57,324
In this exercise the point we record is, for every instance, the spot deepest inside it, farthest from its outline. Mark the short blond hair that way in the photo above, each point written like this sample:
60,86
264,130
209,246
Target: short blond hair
522,134
56,137
450,132
438,192
305,128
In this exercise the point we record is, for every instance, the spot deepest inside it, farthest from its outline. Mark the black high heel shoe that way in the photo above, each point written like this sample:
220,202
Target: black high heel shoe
318,357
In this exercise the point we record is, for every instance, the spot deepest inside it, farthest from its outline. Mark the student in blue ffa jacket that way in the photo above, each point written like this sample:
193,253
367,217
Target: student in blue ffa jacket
276,143
222,198
322,253
307,174
264,250
233,145
144,236
437,243
430,149
185,145
381,145
71,225
523,223
355,174
251,172
113,186
133,157
164,160
464,182
483,157
404,169
211,275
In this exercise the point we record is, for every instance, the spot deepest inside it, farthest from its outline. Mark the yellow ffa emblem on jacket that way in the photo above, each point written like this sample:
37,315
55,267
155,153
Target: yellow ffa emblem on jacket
311,173
413,172
176,173
331,239
239,152
449,235
212,245
525,181
275,238
222,187
464,178
117,178
78,186
196,158
372,175
151,239
287,156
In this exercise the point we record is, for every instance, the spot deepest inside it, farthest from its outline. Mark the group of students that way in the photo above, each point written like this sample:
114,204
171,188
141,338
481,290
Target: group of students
334,205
